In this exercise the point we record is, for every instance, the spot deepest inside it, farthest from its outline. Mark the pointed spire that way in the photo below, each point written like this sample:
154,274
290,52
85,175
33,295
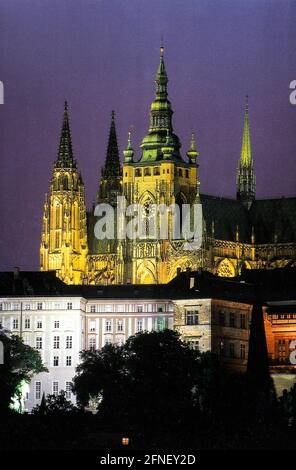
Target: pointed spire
129,151
161,77
112,163
245,180
65,156
192,153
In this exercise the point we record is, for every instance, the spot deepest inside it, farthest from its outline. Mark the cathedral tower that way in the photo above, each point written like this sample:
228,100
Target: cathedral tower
160,176
64,236
245,180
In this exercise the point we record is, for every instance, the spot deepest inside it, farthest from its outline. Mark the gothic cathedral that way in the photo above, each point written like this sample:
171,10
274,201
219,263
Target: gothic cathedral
241,233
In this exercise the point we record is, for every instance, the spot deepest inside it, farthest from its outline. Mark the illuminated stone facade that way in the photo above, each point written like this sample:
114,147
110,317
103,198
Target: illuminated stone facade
237,233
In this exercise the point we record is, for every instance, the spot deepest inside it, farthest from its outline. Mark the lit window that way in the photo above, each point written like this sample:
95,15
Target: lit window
69,306
108,326
56,342
139,325
68,342
194,344
68,361
55,361
68,390
192,317
39,306
37,390
39,342
56,324
92,343
27,323
92,326
55,388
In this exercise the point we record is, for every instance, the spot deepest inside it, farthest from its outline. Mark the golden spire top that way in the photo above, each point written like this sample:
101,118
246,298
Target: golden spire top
161,47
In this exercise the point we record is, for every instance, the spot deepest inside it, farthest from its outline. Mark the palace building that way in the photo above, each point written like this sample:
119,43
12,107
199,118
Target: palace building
240,233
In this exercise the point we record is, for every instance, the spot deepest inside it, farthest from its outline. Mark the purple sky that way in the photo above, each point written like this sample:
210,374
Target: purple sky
102,55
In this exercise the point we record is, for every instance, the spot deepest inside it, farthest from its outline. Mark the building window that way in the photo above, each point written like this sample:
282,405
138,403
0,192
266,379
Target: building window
37,390
92,326
231,320
108,308
180,172
15,306
68,390
39,342
139,326
55,388
57,306
69,305
119,325
147,172
27,323
221,318
56,342
242,321
68,361
68,342
231,349
55,361
92,343
56,324
120,308
221,348
15,324
187,173
192,317
108,326
27,306
93,308
1,307
242,351
107,341
39,324
139,308
194,344
39,306
160,308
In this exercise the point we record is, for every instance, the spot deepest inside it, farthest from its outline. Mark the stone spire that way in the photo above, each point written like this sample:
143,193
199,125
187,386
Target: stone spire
245,180
112,163
65,156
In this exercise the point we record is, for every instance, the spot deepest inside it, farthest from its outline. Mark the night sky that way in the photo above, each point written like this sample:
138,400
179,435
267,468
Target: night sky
103,55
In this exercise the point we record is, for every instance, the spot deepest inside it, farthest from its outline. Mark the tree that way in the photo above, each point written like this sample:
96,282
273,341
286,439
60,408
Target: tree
147,383
52,404
21,362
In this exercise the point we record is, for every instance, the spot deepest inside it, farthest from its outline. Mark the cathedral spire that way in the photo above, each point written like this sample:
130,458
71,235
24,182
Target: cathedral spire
245,180
65,156
112,163
160,120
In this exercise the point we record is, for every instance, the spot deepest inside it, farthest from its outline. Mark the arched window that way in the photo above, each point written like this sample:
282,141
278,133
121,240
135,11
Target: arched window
147,172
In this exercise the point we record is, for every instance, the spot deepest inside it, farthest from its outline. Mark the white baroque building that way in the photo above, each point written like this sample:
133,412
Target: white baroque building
61,320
